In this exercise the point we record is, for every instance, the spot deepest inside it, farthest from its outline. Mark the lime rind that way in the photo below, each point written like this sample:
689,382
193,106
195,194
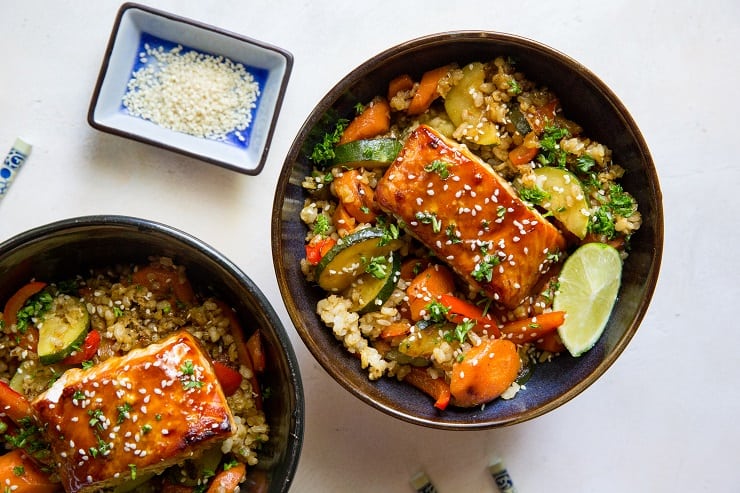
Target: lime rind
589,285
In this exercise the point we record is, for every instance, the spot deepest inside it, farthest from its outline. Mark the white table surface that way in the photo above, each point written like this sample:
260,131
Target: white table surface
664,417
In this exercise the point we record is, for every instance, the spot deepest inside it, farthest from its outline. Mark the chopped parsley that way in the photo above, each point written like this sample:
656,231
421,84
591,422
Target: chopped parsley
436,311
187,368
451,233
551,153
460,332
101,448
321,225
323,152
430,218
86,365
123,412
442,168
584,163
19,471
514,87
229,464
620,202
117,311
533,195
602,223
97,419
192,384
35,307
377,267
484,269
500,212
390,232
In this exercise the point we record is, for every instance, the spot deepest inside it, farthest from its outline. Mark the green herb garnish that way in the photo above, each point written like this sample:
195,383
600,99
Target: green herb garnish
533,195
377,267
429,218
323,152
439,167
321,225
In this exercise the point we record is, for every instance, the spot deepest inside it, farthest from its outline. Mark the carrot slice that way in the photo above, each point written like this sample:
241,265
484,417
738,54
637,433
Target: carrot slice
543,116
522,154
20,474
163,281
256,352
435,387
357,197
227,481
395,329
403,82
532,328
13,404
434,281
551,342
343,221
460,309
410,268
427,92
374,120
485,373
19,298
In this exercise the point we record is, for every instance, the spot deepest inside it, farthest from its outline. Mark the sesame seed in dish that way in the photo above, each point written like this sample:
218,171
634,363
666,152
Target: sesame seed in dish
192,92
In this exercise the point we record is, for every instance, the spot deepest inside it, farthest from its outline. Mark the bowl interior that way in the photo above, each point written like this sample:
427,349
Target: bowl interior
70,247
587,101
137,26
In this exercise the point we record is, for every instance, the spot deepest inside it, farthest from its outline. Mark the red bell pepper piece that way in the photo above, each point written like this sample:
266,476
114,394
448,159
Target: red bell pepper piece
88,350
229,378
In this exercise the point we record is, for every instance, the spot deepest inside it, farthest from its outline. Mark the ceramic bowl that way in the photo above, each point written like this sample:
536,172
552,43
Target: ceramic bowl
137,27
585,99
63,249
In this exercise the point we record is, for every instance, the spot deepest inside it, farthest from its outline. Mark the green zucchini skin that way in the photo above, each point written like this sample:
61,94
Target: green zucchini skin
368,293
63,329
341,265
369,153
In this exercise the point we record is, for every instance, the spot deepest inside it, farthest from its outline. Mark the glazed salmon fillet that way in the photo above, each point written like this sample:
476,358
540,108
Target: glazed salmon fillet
471,218
134,414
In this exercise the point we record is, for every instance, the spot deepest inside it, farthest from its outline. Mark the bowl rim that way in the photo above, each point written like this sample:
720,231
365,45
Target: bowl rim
297,415
358,73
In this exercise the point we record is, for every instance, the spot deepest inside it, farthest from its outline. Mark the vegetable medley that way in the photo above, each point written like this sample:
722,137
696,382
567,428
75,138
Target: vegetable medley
439,217
127,379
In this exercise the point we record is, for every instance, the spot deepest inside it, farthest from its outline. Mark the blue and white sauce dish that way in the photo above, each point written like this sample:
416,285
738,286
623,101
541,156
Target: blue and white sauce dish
145,43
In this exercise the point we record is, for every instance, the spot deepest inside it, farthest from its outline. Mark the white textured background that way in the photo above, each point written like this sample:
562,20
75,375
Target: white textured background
664,418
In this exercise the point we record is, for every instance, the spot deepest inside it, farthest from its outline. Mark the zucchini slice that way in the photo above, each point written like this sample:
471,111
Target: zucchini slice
341,265
368,292
62,329
368,153
566,198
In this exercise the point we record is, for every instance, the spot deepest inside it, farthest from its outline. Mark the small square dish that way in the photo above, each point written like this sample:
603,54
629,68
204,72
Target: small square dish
190,87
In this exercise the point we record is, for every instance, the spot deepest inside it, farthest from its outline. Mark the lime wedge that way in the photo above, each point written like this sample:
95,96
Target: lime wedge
589,283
